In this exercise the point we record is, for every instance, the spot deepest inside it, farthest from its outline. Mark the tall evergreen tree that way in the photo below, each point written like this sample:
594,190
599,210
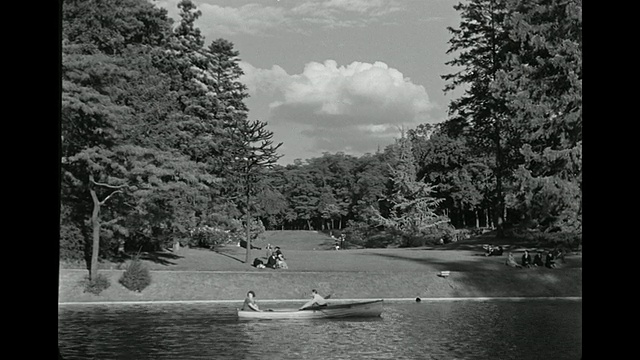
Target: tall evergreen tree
412,204
542,83
481,45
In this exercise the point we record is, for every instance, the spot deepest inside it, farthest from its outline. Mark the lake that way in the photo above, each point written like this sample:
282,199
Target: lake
494,329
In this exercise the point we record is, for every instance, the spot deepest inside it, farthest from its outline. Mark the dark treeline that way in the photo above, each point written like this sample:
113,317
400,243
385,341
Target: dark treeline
158,148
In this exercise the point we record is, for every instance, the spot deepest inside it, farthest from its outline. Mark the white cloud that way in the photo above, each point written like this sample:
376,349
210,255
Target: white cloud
252,19
361,92
354,106
263,80
255,18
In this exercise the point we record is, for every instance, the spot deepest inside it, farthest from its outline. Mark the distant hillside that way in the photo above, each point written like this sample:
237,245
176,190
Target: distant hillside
295,240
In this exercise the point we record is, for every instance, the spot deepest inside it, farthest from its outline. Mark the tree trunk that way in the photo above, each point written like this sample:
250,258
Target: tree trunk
499,211
309,224
476,214
486,218
247,257
464,223
95,221
341,221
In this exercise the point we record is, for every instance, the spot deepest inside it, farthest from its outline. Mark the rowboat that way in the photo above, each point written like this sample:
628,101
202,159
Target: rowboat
371,308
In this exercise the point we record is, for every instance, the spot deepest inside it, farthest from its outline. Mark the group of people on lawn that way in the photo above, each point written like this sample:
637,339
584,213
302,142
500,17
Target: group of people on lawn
526,261
275,259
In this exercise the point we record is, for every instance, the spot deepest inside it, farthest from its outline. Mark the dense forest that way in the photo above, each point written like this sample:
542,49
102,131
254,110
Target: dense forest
157,147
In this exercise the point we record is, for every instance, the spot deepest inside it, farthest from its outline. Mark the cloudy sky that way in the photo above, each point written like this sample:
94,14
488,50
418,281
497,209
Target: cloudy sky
336,75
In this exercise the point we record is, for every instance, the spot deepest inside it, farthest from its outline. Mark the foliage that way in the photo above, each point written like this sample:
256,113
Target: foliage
413,208
71,239
208,237
96,285
136,276
543,88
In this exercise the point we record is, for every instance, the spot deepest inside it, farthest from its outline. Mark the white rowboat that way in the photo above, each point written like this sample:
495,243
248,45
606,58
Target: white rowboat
371,308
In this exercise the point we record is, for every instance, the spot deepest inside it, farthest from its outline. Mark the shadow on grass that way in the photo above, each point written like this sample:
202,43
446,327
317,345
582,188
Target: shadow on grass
493,278
159,257
475,264
491,263
476,243
217,251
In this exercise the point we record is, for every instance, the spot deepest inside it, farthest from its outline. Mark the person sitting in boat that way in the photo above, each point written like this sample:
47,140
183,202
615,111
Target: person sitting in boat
526,259
512,262
316,300
537,260
250,302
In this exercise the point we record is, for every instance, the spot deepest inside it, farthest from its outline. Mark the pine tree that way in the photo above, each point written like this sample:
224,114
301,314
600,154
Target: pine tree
412,204
542,82
481,45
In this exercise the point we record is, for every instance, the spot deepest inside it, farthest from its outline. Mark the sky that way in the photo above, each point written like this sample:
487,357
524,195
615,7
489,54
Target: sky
336,75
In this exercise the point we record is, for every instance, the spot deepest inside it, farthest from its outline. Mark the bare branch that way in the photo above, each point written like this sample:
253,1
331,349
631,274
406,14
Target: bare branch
107,185
110,195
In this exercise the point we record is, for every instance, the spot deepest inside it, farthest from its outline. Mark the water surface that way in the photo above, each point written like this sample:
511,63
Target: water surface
427,330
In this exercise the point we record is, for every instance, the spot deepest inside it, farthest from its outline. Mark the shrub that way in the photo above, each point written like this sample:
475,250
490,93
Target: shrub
97,285
71,243
136,277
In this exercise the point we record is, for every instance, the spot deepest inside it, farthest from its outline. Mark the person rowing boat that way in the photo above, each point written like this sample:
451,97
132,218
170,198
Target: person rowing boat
316,300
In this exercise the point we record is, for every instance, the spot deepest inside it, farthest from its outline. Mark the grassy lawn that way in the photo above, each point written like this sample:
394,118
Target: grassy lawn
202,274
310,251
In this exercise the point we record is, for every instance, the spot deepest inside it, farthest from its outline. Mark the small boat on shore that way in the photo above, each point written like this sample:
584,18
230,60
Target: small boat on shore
371,308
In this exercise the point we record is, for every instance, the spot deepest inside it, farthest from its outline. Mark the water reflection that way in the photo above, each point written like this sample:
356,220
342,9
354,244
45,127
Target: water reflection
437,330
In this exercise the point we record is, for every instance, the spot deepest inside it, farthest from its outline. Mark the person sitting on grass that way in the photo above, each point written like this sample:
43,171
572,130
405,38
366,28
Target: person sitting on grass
549,261
272,261
559,254
257,263
280,264
316,300
250,302
537,260
512,262
494,250
526,259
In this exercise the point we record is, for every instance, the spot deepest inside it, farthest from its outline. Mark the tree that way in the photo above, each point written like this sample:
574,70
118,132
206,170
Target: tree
256,152
109,26
542,83
413,207
481,45
462,178
114,94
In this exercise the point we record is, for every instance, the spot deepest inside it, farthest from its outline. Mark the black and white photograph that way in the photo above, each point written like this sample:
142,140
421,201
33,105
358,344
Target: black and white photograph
320,179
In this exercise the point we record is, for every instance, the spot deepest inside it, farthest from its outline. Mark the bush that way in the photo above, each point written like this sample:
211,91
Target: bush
136,277
97,285
208,237
71,243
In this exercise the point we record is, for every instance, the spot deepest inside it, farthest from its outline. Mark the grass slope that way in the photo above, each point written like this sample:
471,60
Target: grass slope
200,274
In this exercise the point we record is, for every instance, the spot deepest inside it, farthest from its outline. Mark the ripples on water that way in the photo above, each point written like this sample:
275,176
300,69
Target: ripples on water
426,330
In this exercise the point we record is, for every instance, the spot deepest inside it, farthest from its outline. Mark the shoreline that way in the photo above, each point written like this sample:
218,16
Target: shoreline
288,286
170,302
